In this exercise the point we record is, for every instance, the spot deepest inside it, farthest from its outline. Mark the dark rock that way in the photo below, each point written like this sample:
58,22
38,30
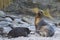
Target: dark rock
59,24
1,31
56,24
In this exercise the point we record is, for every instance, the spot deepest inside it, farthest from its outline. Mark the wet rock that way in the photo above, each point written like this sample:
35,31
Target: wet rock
1,19
32,28
20,24
1,31
28,19
13,16
2,14
17,20
4,31
4,23
16,23
8,19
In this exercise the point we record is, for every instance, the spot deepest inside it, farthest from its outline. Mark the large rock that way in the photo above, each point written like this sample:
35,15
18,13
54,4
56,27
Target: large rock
2,14
1,19
4,23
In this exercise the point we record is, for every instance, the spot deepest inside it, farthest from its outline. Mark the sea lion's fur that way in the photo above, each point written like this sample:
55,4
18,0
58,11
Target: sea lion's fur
42,27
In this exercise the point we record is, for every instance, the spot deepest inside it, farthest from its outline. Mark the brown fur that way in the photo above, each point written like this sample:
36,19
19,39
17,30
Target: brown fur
37,19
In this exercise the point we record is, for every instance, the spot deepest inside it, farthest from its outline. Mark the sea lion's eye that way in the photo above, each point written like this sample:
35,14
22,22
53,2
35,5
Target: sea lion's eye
41,12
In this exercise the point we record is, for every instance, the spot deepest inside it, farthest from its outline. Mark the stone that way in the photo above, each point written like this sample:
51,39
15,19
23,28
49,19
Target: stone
1,19
8,19
2,14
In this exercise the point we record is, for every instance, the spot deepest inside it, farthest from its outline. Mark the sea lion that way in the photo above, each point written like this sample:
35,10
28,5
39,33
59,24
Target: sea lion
42,27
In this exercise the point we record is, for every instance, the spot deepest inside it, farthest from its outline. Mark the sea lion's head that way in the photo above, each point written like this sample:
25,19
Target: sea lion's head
42,13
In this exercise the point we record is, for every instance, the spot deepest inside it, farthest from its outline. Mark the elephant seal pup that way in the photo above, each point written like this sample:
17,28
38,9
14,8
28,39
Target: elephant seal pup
18,31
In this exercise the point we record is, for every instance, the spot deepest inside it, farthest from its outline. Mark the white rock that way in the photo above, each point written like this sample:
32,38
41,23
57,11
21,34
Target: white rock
1,18
2,14
4,23
6,29
17,19
8,19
